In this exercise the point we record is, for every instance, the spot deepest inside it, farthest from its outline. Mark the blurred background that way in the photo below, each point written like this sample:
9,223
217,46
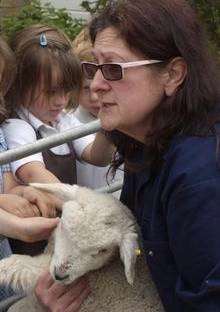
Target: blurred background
71,15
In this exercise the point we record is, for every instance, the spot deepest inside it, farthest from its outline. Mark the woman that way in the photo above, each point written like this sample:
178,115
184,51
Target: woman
159,99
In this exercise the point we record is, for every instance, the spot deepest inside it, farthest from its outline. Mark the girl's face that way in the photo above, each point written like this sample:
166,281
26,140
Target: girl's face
126,104
88,99
47,107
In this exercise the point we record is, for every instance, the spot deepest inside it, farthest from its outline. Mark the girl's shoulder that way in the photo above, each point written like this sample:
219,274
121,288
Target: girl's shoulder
69,120
83,115
17,128
15,124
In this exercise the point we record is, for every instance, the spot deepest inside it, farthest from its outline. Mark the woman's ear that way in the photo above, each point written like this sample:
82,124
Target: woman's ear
176,72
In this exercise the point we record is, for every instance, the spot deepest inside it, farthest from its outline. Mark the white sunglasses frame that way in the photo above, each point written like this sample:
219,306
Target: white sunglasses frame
123,66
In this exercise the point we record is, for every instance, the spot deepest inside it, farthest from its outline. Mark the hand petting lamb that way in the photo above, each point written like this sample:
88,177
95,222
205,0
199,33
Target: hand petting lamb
92,229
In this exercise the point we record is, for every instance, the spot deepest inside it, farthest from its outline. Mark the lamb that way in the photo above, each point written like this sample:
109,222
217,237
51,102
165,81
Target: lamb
93,229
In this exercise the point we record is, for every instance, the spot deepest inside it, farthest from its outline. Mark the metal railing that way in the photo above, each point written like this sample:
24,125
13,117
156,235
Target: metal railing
51,141
111,188
55,140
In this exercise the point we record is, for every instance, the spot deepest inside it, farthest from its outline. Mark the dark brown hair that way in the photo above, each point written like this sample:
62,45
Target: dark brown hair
165,29
38,64
7,72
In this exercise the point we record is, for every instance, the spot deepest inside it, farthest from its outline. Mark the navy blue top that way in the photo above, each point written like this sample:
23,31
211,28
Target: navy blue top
179,216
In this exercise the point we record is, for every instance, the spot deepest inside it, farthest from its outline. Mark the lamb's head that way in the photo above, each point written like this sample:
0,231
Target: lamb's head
92,227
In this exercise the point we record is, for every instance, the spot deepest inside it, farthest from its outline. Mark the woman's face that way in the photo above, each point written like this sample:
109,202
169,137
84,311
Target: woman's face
126,104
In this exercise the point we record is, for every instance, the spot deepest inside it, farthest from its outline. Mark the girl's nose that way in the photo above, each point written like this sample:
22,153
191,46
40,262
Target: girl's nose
61,99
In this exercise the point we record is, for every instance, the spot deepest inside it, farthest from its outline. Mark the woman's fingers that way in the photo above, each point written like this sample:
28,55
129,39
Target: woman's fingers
76,304
45,281
58,297
70,293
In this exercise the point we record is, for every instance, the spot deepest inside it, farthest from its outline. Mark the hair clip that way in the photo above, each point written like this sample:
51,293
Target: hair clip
137,252
43,40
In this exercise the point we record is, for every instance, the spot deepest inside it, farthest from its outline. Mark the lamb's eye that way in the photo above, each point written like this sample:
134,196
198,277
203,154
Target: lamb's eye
100,252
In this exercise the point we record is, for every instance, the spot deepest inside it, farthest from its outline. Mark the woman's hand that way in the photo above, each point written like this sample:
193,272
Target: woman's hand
55,296
46,203
18,206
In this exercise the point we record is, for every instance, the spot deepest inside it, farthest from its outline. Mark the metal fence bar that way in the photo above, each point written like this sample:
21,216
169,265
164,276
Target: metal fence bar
51,141
116,186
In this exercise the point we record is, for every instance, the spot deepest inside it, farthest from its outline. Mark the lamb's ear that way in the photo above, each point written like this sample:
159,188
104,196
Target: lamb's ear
128,253
65,192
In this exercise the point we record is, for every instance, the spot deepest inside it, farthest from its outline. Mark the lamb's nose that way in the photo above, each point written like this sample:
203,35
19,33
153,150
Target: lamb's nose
60,277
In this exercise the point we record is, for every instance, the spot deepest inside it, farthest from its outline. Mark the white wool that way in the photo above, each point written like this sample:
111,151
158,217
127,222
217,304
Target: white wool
94,227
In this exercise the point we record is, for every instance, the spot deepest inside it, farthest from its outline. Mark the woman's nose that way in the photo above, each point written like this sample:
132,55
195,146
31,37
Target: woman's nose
99,83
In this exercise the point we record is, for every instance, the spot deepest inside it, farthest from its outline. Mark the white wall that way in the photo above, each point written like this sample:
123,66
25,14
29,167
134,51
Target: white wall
73,6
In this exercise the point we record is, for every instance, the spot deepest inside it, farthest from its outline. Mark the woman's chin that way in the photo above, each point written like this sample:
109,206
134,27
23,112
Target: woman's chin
106,125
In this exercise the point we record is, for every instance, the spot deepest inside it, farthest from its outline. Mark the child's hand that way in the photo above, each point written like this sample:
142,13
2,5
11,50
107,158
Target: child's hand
45,202
35,229
18,206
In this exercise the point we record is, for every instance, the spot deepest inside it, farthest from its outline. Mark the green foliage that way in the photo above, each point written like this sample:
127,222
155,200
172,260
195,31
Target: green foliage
93,6
209,11
34,12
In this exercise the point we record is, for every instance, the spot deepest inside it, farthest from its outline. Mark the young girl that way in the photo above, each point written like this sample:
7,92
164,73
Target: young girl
47,82
28,229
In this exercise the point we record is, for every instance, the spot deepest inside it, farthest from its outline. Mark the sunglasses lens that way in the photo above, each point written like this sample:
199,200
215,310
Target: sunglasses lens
89,70
112,71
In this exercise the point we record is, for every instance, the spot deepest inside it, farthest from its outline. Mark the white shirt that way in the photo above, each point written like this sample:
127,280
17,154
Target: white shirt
89,175
22,131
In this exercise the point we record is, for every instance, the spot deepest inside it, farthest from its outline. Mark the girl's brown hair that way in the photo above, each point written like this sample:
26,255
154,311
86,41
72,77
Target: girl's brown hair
43,65
82,46
7,72
165,29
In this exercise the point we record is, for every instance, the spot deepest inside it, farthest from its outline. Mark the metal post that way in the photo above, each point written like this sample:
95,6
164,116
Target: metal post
116,186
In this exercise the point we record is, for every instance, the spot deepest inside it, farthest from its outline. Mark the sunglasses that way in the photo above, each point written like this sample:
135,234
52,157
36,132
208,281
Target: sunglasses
112,71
